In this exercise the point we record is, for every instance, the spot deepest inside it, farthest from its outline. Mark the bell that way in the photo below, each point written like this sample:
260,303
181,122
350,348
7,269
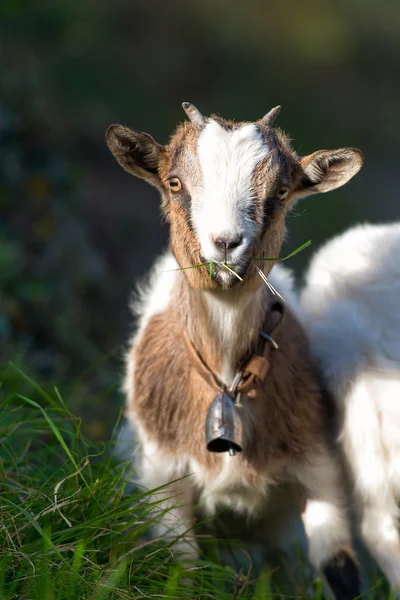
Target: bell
224,432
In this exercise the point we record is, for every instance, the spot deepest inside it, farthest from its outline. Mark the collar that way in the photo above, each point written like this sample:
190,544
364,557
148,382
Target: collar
255,370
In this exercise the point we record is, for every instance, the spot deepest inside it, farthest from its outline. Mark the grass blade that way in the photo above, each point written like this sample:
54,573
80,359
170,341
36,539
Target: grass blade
56,432
185,268
269,284
34,524
231,270
281,259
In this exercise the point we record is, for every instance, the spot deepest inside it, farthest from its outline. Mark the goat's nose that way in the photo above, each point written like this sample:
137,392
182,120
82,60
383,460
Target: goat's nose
227,242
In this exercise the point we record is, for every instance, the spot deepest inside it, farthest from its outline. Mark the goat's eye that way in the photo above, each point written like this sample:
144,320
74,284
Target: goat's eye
282,193
175,184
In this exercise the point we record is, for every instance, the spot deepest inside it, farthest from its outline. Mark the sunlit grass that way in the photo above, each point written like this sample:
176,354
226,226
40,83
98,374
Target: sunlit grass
69,527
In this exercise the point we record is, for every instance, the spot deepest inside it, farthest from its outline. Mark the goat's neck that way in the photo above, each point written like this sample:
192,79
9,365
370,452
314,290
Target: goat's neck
223,324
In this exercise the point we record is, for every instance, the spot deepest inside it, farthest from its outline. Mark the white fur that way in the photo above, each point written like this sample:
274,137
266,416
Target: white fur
325,517
174,501
282,279
227,162
230,489
154,294
225,314
226,310
351,302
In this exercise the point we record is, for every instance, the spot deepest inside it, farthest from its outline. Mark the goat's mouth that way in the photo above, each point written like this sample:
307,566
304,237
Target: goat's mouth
228,273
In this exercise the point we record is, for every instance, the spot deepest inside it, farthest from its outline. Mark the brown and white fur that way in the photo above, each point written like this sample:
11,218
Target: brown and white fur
226,188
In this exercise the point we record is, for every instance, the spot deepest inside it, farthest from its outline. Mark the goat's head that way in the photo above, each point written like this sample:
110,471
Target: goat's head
226,188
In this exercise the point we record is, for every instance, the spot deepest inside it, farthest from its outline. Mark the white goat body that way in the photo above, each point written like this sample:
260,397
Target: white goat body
351,303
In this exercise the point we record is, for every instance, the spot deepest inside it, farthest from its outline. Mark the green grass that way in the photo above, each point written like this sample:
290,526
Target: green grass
69,529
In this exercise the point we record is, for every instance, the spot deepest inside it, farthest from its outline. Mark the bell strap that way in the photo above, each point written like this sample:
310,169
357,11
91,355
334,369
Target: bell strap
256,368
200,365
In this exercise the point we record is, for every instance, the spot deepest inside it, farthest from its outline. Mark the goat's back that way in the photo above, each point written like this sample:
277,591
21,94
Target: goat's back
351,300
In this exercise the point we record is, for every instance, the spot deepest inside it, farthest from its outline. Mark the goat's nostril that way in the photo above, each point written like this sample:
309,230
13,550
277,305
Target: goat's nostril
235,242
227,242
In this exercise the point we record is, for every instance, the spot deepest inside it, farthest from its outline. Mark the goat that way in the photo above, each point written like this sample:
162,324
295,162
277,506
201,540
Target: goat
351,305
226,188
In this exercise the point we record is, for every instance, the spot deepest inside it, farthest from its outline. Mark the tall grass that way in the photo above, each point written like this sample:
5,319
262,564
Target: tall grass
69,528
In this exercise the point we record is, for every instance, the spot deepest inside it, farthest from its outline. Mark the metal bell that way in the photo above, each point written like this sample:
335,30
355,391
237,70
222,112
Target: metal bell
224,431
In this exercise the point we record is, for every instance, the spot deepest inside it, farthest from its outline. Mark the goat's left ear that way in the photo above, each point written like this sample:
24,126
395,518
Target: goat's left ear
326,170
136,151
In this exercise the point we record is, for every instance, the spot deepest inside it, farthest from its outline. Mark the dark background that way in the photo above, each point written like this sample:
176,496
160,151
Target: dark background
76,230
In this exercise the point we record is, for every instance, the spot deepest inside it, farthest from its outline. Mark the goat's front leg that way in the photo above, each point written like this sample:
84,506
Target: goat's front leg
175,514
326,521
366,449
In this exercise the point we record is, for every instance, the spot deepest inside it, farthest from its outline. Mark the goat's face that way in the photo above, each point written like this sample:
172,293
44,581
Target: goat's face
226,188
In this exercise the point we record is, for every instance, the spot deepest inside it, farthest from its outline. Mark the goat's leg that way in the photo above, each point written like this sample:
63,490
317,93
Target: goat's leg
379,529
365,428
174,508
326,521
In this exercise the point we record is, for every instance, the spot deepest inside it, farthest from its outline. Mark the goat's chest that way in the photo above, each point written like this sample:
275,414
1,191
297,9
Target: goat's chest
173,415
170,400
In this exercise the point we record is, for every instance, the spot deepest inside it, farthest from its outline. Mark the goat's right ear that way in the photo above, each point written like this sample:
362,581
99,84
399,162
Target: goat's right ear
137,152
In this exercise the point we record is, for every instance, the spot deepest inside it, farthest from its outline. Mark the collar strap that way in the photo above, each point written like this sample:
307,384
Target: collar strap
254,372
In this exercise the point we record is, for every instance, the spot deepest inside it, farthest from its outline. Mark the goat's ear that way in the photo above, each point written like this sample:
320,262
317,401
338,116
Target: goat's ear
137,152
327,170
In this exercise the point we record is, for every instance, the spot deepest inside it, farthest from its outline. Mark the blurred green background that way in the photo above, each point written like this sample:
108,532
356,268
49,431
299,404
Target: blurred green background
76,230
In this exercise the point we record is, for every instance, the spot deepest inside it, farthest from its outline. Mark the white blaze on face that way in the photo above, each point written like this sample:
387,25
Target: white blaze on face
220,205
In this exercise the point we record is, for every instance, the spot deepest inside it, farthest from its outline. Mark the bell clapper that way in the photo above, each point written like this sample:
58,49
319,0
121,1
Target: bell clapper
237,398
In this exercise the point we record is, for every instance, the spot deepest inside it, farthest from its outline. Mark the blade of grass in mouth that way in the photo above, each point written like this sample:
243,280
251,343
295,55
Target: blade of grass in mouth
299,249
191,267
208,264
231,270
